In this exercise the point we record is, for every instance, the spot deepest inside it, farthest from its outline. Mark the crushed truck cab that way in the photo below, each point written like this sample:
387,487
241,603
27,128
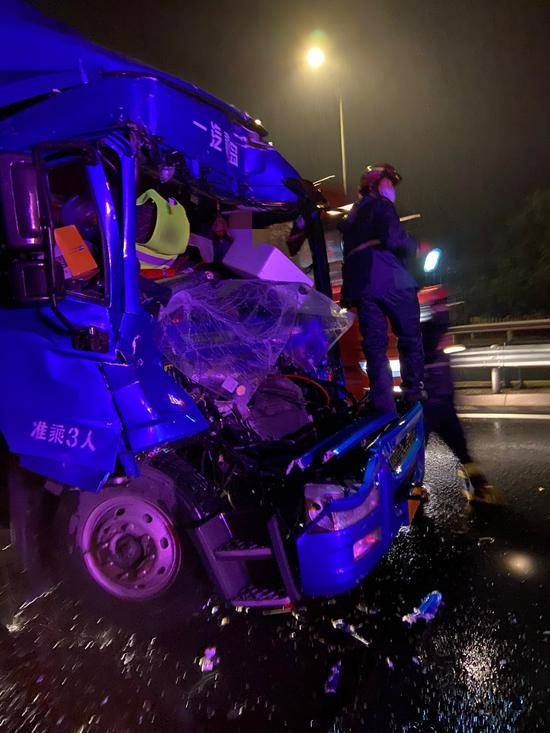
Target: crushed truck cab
120,404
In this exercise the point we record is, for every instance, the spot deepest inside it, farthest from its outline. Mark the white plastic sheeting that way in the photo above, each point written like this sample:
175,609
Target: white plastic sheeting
228,335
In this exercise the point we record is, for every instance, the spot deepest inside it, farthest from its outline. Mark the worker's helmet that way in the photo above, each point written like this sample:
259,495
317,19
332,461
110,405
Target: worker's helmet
373,174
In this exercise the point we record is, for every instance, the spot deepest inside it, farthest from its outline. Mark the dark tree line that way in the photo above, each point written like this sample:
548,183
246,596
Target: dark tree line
511,278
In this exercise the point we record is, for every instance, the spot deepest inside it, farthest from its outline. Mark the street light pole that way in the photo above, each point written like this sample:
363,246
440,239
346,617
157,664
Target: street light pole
342,144
315,58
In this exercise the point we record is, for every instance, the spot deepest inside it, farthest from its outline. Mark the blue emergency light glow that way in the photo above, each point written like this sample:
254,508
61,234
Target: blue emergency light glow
432,260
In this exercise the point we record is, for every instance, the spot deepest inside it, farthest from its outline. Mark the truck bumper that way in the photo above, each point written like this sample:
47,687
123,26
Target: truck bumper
332,562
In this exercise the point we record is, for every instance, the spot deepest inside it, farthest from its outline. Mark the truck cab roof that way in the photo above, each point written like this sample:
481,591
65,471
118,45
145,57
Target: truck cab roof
57,85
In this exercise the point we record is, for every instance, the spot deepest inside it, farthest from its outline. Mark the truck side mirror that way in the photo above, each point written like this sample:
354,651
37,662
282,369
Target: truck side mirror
28,271
20,203
28,282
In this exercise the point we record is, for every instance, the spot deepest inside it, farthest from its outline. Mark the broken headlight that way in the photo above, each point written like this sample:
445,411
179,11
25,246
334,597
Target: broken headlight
319,496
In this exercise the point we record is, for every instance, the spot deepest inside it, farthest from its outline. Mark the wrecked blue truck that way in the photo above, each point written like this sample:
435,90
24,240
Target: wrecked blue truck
122,463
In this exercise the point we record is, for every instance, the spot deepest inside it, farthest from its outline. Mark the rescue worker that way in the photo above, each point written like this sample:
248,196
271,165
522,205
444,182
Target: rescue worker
162,234
377,282
440,414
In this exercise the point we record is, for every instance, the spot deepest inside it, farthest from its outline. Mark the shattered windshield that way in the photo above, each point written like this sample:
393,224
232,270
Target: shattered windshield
228,335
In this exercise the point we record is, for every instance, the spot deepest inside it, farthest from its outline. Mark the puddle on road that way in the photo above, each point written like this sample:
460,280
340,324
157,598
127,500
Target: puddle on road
482,664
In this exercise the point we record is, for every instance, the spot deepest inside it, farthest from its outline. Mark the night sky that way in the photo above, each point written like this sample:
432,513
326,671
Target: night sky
455,94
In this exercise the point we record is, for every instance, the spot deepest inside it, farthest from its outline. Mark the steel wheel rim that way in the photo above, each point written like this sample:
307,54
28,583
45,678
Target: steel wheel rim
130,548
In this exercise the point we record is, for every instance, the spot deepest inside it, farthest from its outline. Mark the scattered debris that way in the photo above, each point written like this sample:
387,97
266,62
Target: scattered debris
331,685
235,712
366,609
224,621
427,609
541,489
341,625
209,660
277,611
389,663
485,540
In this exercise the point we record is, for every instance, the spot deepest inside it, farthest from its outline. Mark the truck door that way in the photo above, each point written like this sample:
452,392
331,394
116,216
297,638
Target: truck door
56,411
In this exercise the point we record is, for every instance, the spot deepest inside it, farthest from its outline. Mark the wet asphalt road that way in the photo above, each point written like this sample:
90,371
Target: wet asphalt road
483,664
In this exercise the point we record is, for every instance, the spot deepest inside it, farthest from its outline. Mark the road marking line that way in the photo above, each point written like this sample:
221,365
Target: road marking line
503,415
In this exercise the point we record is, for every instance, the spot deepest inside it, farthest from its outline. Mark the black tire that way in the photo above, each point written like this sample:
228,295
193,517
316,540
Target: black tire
61,555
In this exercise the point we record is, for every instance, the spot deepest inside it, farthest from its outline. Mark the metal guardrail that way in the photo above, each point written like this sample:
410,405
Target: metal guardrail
535,324
504,356
497,358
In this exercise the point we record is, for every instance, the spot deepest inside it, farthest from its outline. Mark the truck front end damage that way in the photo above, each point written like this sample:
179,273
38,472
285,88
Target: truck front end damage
204,403
349,532
338,512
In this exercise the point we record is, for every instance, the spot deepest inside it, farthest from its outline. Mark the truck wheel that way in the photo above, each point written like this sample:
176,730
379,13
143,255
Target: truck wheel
130,547
123,553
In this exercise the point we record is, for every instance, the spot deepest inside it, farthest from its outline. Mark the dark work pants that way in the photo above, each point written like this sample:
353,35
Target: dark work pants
401,309
439,409
440,417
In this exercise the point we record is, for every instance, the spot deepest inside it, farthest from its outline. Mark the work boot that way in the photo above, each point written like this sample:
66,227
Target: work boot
478,488
406,401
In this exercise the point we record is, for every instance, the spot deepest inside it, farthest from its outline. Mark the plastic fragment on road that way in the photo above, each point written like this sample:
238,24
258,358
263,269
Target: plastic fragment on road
278,611
389,663
236,712
331,685
209,659
485,540
341,625
427,609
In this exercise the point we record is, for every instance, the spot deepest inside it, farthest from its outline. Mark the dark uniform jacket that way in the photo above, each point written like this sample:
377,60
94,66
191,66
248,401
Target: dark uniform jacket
378,269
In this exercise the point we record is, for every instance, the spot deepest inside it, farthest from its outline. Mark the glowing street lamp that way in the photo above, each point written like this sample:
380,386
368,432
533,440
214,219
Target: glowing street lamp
315,57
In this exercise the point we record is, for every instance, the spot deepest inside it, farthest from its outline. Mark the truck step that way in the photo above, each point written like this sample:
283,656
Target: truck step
238,549
253,596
